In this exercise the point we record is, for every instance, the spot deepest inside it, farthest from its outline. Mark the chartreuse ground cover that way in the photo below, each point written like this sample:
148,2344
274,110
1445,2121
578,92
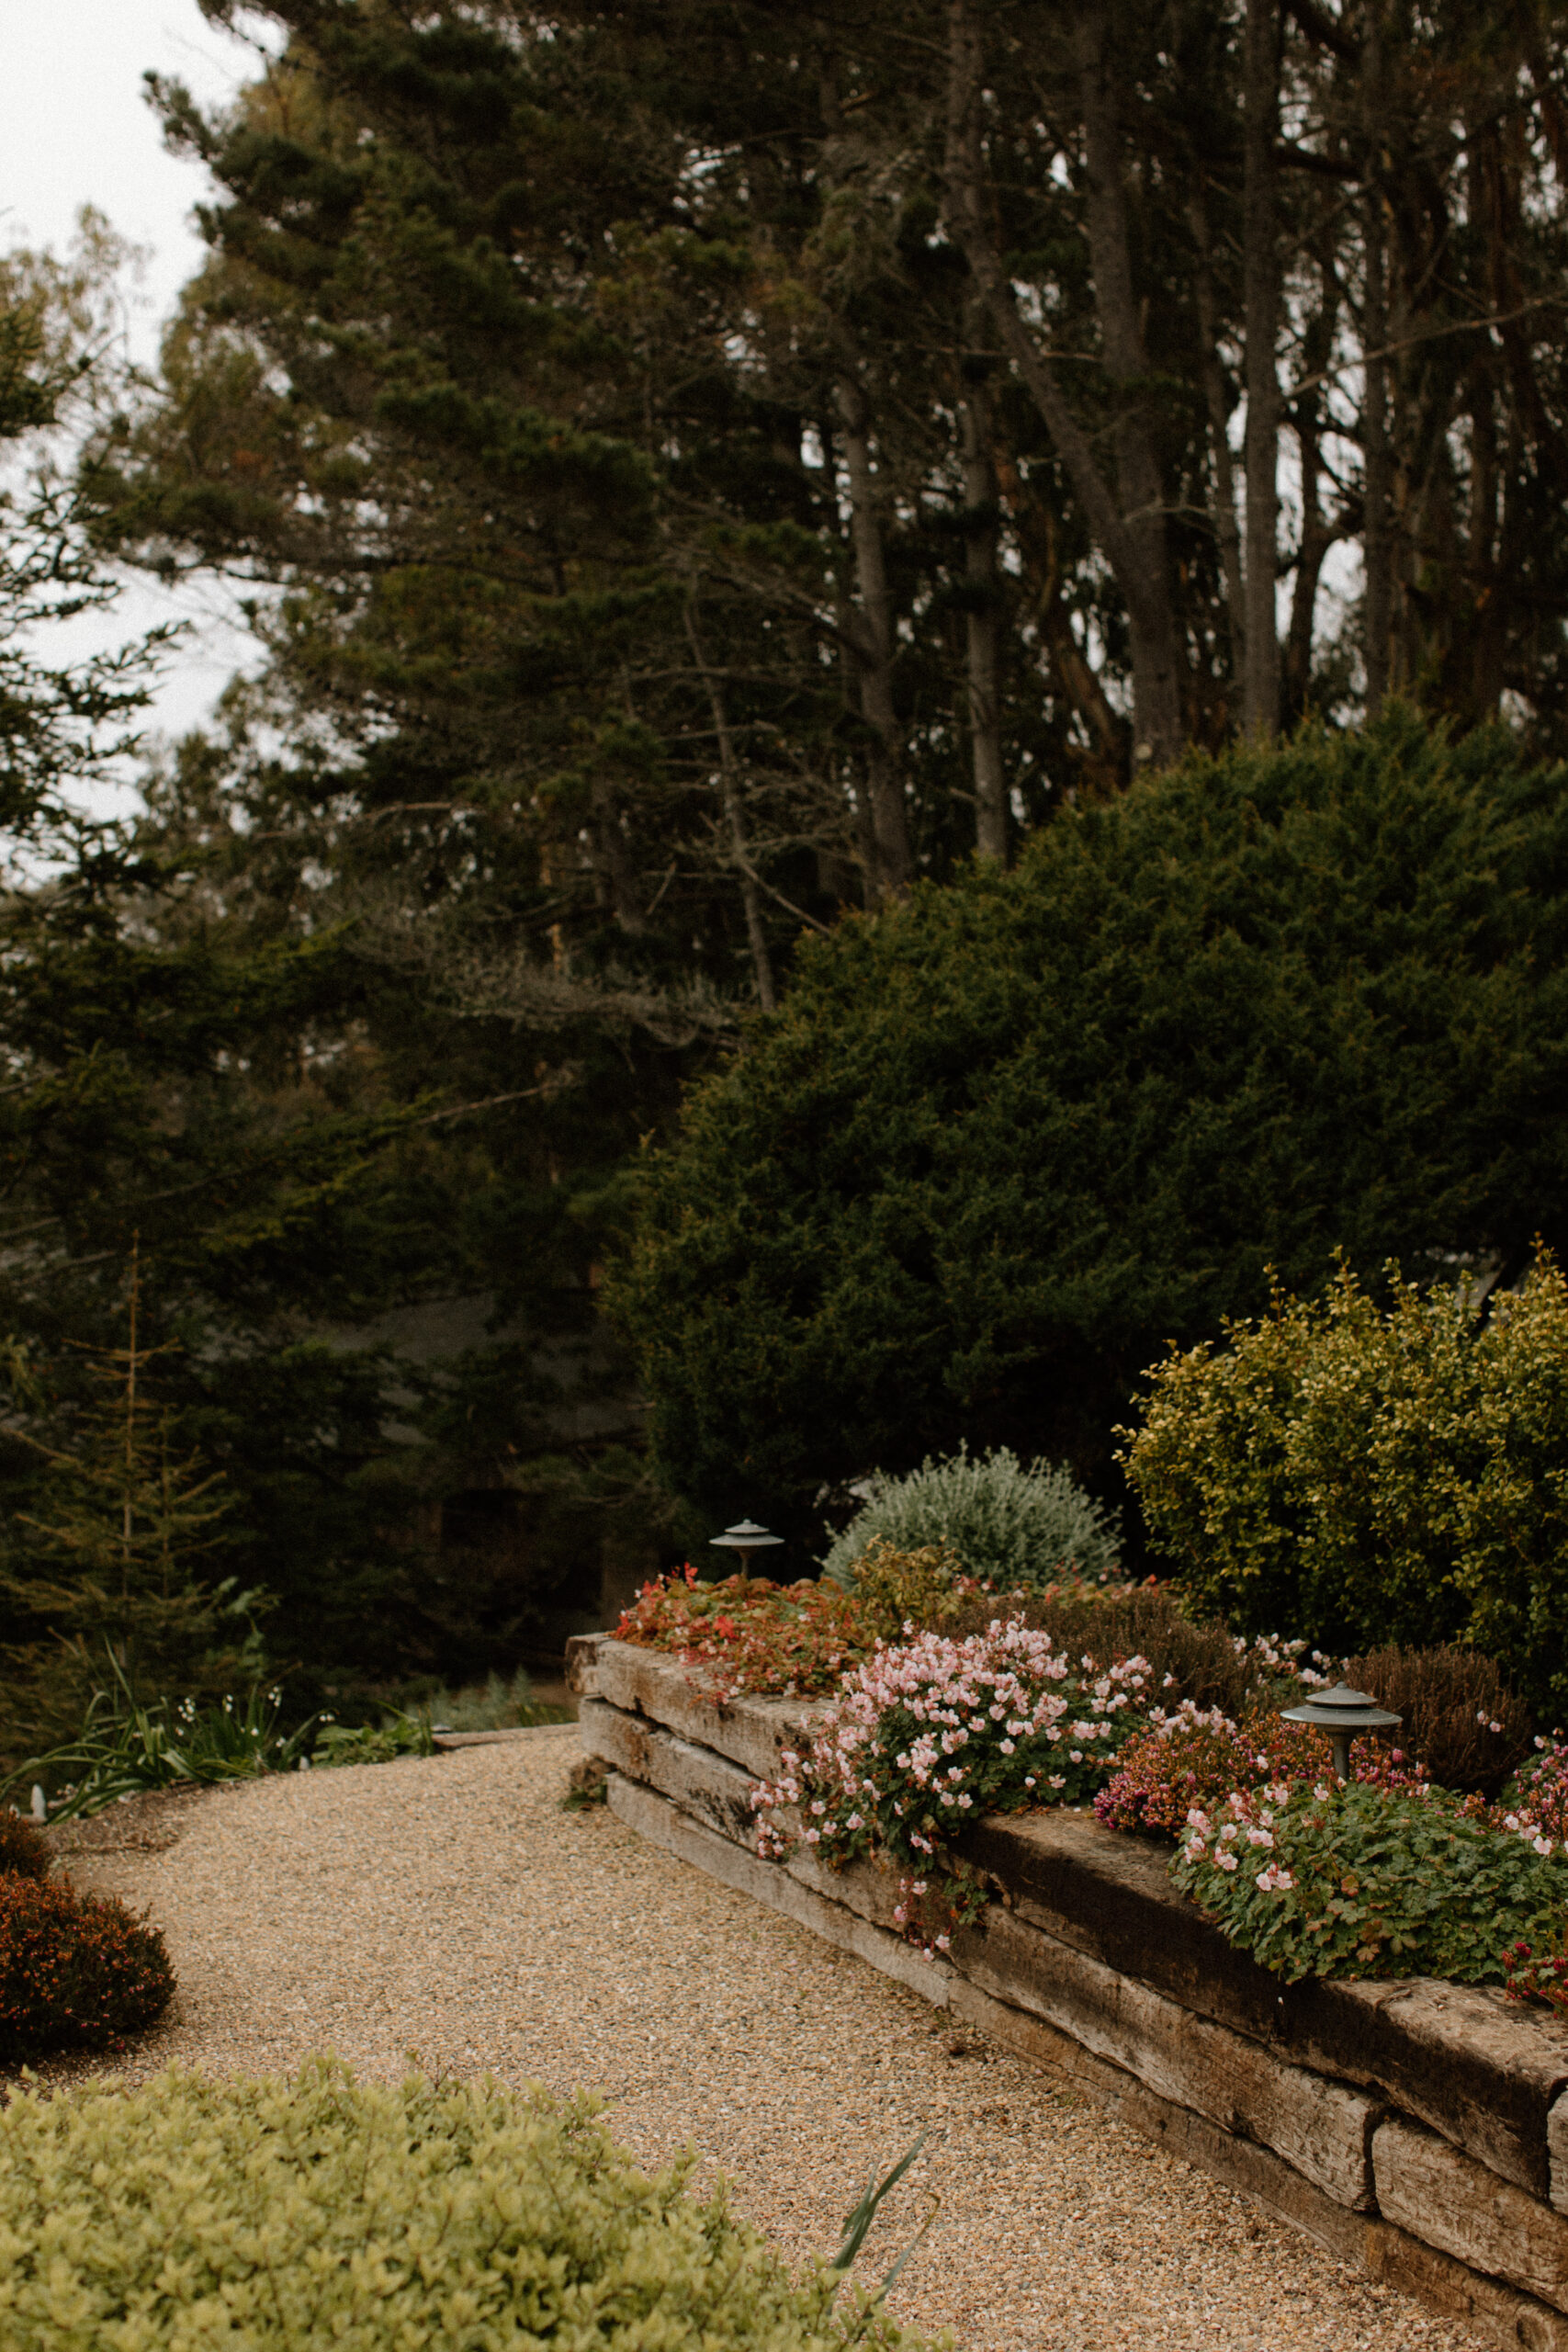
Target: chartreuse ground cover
316,2211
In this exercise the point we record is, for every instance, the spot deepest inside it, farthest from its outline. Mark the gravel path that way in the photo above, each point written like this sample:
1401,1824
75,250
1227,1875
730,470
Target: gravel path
451,1909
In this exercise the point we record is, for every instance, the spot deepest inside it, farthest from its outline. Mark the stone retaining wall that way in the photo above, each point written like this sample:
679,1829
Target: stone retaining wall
1416,2128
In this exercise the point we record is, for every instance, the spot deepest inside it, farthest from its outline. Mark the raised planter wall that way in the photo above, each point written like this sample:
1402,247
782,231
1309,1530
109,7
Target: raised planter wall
1417,2128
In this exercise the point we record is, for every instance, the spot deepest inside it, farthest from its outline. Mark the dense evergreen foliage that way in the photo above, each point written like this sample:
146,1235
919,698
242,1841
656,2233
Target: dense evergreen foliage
695,471
1004,1141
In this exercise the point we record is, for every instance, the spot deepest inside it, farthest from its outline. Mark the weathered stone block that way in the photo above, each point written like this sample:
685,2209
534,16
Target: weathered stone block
1557,2151
1321,2128
1447,2200
749,1732
666,1824
702,1783
1477,2068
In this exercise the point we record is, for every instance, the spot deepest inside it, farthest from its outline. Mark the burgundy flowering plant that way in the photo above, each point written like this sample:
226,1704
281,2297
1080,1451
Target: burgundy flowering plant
1538,1971
748,1635
1190,1760
929,1735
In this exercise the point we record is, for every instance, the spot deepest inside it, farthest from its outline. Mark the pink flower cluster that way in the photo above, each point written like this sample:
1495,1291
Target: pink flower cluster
1535,1807
933,1732
1250,1821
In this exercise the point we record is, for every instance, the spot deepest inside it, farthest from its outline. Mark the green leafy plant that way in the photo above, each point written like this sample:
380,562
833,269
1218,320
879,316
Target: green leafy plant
76,1971
1320,1880
1010,1526
366,2215
124,1747
927,1589
395,1735
1375,1475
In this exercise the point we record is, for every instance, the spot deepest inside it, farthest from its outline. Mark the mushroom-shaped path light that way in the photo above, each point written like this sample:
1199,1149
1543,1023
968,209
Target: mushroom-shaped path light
1342,1713
746,1537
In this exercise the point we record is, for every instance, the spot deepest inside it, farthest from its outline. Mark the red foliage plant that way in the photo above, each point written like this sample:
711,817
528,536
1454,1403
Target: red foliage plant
778,1641
75,1970
24,1848
1195,1759
1530,1974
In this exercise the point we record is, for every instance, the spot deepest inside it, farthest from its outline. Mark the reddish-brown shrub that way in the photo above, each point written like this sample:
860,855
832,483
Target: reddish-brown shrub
75,1970
24,1848
1462,1719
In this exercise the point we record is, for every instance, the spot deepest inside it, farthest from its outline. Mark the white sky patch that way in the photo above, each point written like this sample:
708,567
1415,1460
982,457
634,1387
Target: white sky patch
75,128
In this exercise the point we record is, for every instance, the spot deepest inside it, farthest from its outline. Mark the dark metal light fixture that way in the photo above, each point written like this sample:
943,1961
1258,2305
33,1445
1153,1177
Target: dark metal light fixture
1341,1713
746,1537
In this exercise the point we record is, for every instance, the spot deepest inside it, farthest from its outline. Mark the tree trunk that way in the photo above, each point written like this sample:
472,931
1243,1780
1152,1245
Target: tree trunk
1132,544
1035,527
730,785
1227,529
874,640
1319,531
983,623
1261,263
1377,541
1156,661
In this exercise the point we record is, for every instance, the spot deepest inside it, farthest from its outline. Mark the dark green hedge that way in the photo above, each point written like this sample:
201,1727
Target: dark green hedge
1004,1141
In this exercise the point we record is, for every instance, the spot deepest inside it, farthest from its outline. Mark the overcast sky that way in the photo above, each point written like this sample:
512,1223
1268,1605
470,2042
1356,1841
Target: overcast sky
75,128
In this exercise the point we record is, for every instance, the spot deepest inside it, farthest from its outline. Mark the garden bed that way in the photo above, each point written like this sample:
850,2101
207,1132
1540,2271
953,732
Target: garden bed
1417,2127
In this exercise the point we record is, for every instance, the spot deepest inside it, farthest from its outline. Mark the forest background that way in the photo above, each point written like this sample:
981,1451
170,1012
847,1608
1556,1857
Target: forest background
696,473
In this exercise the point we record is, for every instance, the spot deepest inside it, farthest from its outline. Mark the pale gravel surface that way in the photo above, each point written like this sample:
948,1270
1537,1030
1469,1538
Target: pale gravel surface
450,1908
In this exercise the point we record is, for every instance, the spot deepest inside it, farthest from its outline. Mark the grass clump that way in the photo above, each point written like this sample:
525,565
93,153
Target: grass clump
496,1704
318,2211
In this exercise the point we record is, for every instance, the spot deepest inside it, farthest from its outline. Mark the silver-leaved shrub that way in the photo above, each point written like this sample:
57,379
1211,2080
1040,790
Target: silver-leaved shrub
1014,1528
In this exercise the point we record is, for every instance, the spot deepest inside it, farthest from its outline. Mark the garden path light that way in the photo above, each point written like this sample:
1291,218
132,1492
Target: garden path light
1341,1713
746,1537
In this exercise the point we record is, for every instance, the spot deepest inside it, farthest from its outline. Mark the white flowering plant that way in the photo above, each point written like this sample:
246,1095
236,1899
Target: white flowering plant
930,1733
1319,1878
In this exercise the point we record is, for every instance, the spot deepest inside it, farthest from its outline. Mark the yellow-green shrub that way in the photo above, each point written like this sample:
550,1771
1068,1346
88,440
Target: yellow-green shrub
1365,1476
457,2216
